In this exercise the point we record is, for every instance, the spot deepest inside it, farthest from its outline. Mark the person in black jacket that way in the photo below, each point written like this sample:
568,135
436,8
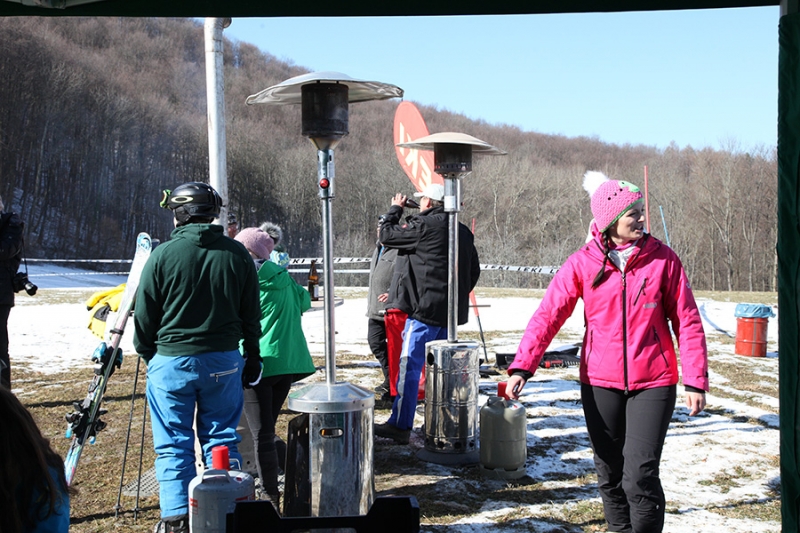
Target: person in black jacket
381,269
419,288
10,257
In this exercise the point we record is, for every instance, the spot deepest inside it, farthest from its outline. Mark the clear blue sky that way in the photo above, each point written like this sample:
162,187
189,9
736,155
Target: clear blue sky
699,77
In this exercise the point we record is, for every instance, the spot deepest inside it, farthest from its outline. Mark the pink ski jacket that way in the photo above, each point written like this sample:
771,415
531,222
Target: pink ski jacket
627,344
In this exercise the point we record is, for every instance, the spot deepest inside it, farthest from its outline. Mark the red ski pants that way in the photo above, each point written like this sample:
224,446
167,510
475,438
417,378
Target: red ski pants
395,321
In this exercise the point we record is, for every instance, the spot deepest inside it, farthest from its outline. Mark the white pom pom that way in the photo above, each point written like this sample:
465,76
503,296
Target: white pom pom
592,180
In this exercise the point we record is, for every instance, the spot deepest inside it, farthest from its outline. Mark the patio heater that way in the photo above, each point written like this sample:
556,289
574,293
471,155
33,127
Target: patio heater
452,368
340,415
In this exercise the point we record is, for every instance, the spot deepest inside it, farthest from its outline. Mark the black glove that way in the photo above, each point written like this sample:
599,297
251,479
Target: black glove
251,374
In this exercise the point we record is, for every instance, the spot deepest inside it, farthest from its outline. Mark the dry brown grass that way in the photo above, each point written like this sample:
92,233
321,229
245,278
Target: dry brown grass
98,475
445,495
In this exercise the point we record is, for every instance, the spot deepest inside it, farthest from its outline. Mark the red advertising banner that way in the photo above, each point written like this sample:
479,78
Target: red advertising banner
417,164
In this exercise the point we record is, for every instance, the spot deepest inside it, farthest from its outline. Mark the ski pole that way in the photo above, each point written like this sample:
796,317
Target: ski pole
480,328
136,507
664,222
127,440
475,310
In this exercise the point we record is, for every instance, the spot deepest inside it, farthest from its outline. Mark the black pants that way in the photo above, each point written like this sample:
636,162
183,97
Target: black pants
627,434
262,405
376,338
5,362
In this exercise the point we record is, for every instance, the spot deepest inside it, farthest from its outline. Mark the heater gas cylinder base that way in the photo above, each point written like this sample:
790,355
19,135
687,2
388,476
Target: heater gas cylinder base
467,458
502,473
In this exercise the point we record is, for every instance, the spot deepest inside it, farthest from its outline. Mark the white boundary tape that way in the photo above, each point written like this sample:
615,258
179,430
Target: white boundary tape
549,270
29,260
301,261
67,274
336,260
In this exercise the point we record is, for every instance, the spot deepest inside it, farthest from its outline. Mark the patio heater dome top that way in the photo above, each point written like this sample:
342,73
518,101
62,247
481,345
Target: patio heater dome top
428,142
289,92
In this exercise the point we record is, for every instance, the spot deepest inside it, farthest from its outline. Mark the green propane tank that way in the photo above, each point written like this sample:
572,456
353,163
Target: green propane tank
503,431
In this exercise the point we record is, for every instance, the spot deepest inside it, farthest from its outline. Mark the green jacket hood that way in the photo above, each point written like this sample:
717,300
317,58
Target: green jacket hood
200,235
272,276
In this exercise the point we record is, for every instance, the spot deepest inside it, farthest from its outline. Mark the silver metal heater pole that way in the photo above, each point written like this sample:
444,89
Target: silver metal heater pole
325,172
452,203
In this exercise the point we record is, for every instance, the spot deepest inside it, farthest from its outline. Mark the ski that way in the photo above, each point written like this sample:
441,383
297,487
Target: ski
561,357
84,423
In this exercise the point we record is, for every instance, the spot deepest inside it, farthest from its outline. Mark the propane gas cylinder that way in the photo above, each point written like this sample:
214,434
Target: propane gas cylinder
503,438
214,493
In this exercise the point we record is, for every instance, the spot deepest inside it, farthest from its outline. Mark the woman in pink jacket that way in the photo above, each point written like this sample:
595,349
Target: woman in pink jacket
634,289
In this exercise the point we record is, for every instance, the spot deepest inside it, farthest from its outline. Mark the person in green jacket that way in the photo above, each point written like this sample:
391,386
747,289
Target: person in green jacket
196,302
284,354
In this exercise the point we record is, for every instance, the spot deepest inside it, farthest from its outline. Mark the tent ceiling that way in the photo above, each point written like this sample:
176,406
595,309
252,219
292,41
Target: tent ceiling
260,8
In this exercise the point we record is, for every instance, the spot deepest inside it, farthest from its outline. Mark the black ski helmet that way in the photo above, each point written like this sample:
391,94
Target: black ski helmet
193,199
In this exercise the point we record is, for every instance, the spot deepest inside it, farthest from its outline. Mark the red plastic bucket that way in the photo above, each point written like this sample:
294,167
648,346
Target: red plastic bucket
751,337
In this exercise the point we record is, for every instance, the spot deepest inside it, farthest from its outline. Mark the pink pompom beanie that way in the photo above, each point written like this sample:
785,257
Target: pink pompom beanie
257,241
610,198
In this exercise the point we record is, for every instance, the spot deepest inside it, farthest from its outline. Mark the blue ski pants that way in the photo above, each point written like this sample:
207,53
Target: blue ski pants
412,358
211,383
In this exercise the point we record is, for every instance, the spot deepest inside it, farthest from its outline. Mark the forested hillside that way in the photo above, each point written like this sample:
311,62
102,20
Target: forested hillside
98,115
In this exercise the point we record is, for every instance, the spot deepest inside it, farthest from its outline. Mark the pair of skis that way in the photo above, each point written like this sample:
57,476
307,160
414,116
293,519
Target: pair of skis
561,357
84,422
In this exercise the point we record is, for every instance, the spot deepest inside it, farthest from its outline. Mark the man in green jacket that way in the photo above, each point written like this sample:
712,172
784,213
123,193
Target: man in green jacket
197,299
